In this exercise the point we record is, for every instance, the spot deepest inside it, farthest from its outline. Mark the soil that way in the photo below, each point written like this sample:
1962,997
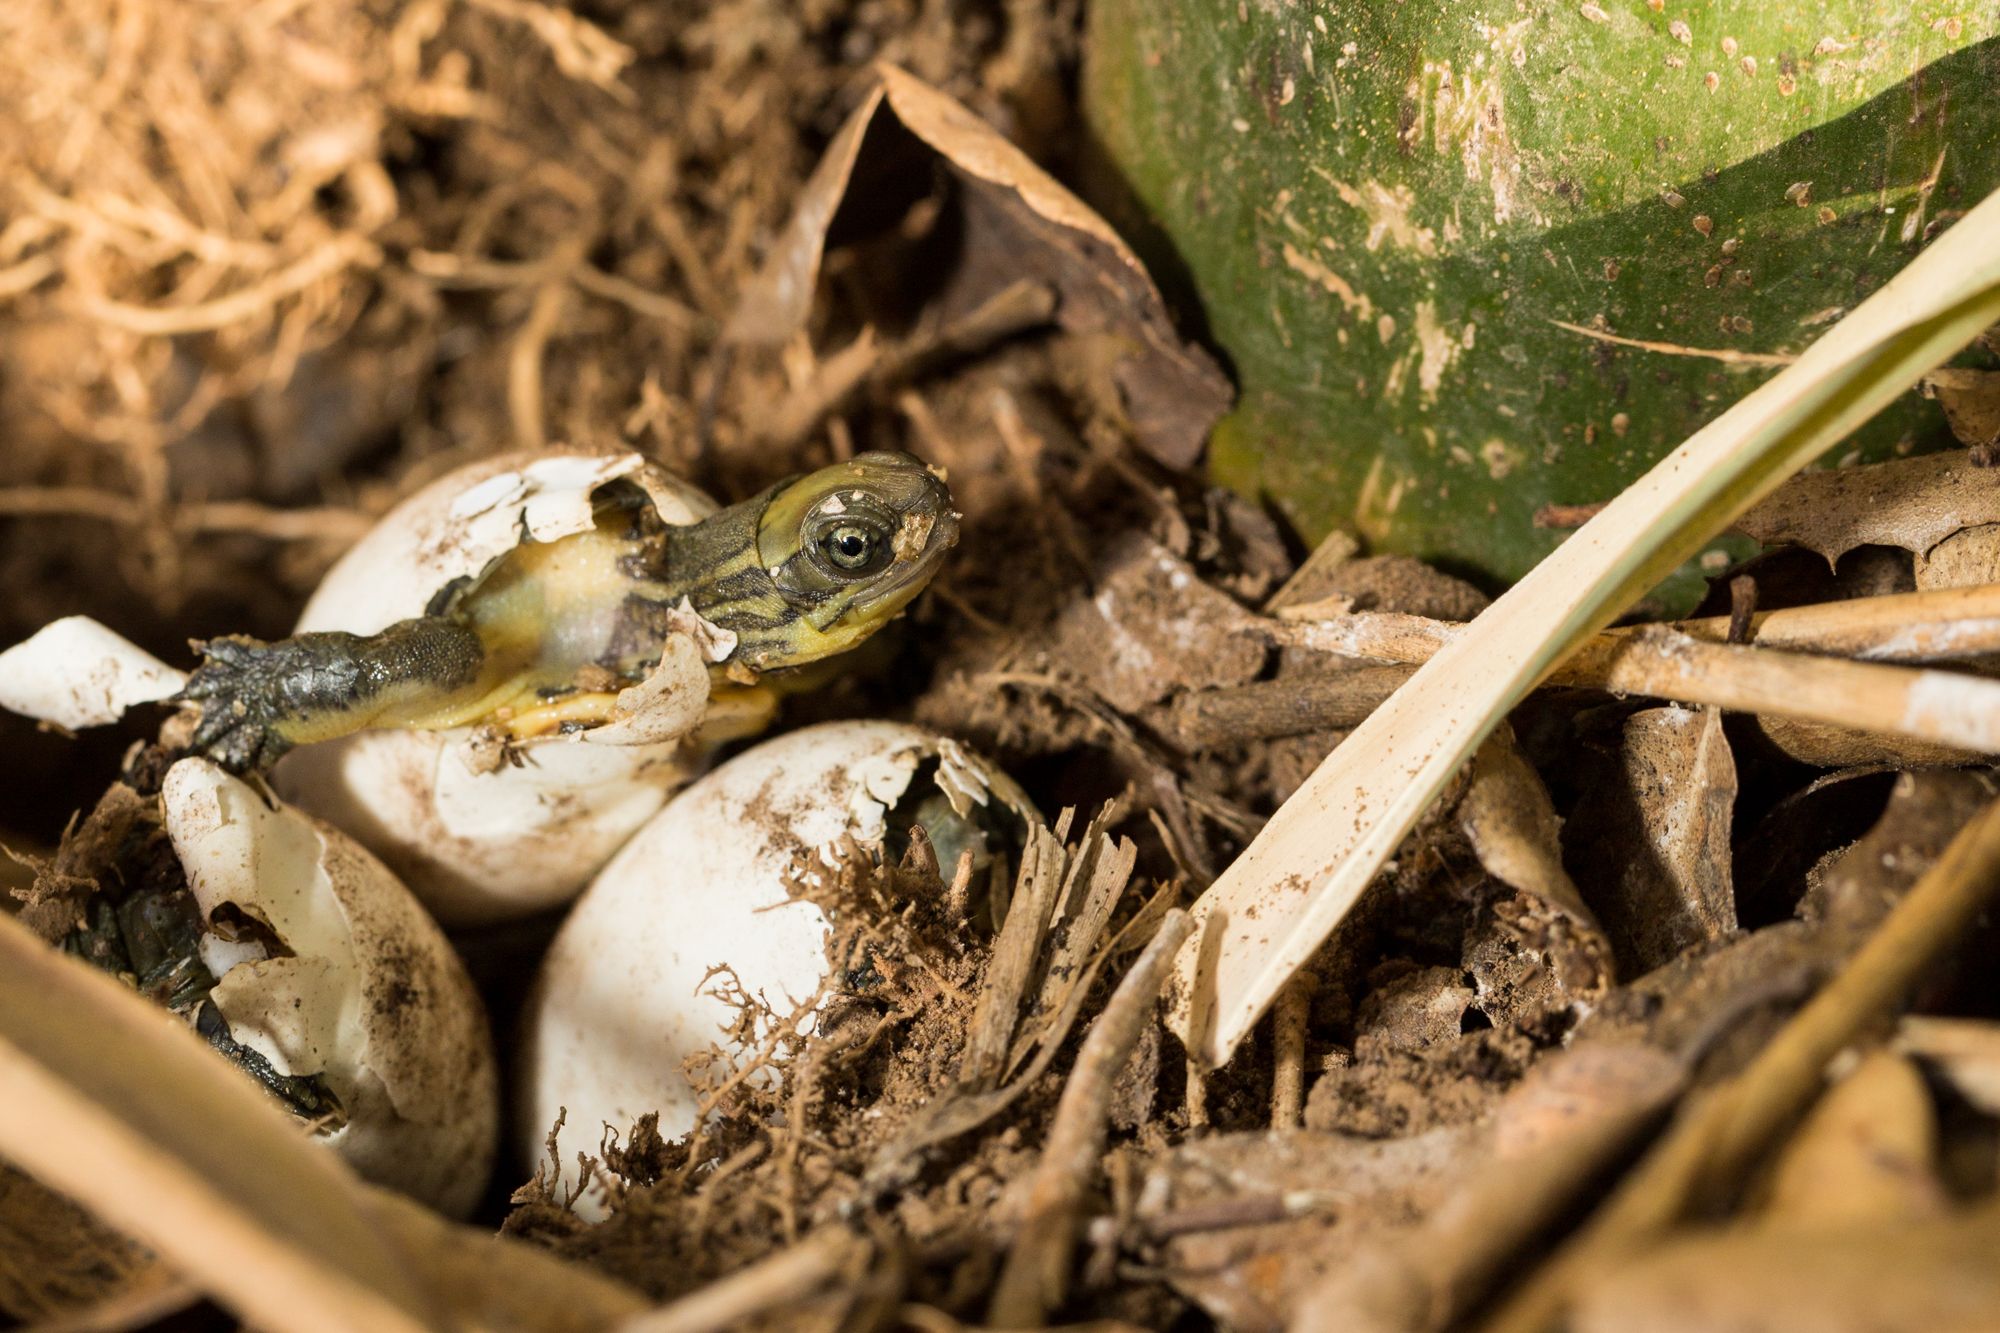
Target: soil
532,227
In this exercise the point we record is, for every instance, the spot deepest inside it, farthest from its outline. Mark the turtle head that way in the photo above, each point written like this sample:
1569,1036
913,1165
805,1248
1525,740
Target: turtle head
845,548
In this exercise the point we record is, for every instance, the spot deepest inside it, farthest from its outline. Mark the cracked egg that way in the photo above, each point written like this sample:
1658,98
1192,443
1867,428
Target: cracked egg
627,993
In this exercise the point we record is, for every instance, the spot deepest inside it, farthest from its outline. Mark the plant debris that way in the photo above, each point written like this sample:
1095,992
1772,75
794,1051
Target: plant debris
1667,1011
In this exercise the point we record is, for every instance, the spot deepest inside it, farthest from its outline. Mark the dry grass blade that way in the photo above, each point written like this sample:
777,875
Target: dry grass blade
490,1281
1719,1139
106,1099
1014,954
1097,879
1274,907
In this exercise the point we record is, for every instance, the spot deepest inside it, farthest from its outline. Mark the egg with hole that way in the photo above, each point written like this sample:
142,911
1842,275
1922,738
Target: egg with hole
484,833
300,958
698,911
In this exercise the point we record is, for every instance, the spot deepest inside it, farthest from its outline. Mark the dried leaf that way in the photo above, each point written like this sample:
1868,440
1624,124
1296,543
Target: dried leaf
1280,900
1255,1277
1926,810
1148,626
1718,1142
1656,845
1913,503
1971,402
1898,1278
1965,1052
1969,558
1021,223
1777,853
1825,745
1866,1155
1548,1142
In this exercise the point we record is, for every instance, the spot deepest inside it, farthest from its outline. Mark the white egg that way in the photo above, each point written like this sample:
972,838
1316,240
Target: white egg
362,991
627,991
480,843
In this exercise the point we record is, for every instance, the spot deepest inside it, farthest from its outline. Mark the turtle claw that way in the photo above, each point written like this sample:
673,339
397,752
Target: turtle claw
239,687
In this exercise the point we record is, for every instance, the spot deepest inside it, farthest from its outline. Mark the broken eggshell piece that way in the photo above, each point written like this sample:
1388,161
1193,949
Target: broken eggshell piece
630,988
477,837
76,673
327,968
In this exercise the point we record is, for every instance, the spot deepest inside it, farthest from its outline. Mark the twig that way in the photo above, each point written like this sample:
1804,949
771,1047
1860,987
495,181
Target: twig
1036,1274
1943,624
1227,1214
21,278
639,300
1294,706
1721,1137
1661,661
1288,1033
1946,707
1940,625
452,270
790,1275
326,523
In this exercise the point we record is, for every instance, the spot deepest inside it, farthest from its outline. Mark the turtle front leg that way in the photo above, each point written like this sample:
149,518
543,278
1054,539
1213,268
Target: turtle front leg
258,700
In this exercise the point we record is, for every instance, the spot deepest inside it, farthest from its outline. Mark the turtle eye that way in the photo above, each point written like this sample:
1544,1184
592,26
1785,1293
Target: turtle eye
851,548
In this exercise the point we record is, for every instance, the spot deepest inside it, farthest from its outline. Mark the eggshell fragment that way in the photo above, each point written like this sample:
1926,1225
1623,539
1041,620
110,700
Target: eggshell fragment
480,841
465,520
626,993
363,992
76,673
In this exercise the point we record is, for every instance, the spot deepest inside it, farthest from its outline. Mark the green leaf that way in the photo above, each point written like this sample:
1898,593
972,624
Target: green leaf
1278,902
1387,213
